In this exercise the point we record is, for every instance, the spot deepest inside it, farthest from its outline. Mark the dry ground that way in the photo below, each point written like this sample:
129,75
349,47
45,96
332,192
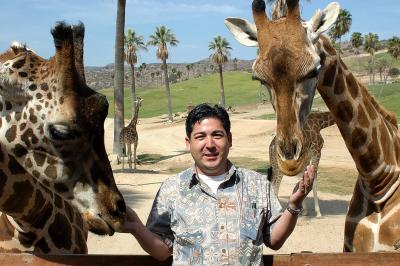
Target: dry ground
251,137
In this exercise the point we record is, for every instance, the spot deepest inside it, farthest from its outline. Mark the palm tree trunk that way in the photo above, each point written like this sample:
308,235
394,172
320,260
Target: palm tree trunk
221,79
133,90
119,76
373,69
168,92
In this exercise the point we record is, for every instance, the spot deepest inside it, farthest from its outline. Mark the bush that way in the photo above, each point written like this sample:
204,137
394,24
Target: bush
394,72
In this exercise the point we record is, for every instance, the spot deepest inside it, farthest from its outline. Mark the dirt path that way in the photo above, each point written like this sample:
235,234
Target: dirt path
251,138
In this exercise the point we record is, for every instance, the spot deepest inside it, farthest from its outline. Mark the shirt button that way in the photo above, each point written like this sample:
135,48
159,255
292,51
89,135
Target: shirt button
223,251
222,227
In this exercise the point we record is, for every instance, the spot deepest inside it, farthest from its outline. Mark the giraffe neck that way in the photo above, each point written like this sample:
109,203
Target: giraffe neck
33,217
135,116
316,121
369,131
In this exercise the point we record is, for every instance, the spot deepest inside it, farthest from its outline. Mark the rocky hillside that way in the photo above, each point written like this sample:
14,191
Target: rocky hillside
152,75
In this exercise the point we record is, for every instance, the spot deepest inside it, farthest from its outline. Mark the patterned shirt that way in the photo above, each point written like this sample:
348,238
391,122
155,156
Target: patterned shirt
226,228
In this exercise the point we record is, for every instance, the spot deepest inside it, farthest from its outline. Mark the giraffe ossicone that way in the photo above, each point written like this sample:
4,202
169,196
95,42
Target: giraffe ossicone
52,123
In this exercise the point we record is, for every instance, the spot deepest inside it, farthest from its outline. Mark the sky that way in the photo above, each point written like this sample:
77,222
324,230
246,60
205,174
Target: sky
194,23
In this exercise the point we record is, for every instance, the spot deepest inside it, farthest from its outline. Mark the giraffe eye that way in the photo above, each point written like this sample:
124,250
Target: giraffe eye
60,132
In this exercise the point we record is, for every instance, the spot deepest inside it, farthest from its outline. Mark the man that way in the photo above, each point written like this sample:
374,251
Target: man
215,213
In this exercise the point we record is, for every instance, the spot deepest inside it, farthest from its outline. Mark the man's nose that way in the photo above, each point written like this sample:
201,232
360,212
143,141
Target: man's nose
210,142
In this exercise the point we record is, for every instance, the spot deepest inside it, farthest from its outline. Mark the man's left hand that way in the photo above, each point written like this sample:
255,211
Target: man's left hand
303,187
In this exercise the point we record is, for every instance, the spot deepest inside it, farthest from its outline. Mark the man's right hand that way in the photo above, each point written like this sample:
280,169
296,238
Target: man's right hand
131,222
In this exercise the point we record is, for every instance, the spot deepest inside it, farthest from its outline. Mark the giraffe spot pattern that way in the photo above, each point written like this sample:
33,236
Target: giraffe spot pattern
46,213
14,167
329,75
51,172
36,208
339,83
19,63
16,203
60,232
352,85
19,150
344,111
3,181
27,238
43,246
358,138
362,117
39,158
368,160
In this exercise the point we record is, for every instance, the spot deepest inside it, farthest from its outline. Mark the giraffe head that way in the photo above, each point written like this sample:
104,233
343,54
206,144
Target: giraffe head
53,124
288,63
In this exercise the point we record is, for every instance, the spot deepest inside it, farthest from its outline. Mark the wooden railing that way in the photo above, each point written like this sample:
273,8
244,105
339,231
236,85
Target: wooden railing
296,259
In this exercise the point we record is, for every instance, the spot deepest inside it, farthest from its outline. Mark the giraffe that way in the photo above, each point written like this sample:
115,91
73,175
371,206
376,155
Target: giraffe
296,64
316,121
129,135
53,125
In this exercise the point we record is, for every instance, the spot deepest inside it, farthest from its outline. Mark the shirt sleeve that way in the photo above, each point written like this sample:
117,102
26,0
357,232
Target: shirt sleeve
159,221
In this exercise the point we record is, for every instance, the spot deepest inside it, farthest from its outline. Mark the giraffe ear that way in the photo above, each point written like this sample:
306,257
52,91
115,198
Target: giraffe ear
243,31
323,20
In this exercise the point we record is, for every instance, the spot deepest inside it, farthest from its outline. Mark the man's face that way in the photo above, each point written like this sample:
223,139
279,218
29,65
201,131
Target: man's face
209,145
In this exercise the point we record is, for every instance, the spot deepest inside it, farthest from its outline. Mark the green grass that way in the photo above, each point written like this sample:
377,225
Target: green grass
360,64
240,89
336,180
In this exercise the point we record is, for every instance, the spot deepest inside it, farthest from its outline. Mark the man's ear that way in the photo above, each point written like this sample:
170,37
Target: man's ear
230,139
187,141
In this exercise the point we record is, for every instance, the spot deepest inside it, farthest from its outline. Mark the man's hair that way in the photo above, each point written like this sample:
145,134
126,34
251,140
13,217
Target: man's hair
203,111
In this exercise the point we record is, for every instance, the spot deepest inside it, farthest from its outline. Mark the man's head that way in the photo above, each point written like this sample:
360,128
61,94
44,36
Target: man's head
208,138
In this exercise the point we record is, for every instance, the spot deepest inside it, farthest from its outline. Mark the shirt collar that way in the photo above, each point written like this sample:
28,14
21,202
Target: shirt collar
195,179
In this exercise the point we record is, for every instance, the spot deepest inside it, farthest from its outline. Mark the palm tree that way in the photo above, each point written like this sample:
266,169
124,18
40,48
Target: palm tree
341,27
235,64
356,41
221,48
371,45
393,47
133,43
119,76
161,38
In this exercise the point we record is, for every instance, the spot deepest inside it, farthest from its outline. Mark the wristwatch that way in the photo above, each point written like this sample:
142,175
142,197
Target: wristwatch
293,211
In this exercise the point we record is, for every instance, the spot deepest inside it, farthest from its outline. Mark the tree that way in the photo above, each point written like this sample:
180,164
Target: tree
161,38
221,48
133,43
394,47
341,27
371,45
235,64
119,76
356,40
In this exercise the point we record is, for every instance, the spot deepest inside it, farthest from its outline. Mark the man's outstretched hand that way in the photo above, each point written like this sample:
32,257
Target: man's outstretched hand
303,187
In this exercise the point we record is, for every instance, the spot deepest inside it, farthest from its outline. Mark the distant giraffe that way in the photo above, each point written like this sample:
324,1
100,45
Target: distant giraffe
129,135
313,141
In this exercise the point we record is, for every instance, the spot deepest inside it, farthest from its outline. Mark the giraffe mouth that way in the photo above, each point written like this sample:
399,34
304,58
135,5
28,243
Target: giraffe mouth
99,225
291,167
